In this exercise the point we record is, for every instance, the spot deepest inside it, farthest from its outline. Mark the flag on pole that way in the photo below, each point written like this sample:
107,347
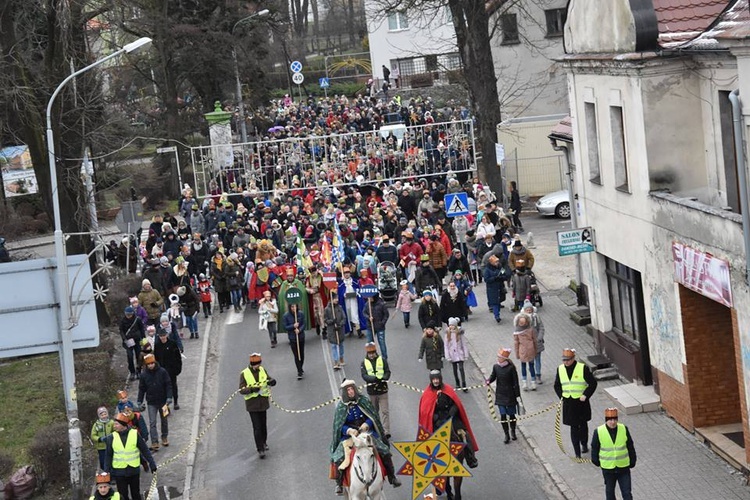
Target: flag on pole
337,258
325,254
303,260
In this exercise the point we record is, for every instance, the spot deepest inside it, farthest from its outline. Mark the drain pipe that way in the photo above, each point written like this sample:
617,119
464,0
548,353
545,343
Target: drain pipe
739,148
572,198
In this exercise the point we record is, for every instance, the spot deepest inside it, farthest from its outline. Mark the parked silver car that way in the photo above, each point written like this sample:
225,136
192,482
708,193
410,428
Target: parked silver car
557,203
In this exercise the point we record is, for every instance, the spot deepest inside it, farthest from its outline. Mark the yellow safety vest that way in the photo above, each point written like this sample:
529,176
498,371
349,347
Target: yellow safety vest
251,382
572,387
611,454
115,496
378,372
128,455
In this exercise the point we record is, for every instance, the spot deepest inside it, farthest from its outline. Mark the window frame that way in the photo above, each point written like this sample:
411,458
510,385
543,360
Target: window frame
619,148
622,292
506,40
401,21
592,143
555,18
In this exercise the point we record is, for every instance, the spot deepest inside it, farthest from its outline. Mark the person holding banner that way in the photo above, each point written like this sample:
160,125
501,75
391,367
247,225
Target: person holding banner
294,324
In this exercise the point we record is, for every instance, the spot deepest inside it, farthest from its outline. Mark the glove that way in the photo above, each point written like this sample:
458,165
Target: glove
271,382
169,401
364,427
419,359
245,390
352,432
153,470
142,406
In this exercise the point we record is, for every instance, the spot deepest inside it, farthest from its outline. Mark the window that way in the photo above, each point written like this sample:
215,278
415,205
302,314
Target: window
621,285
509,25
556,21
728,152
397,21
592,143
431,62
619,152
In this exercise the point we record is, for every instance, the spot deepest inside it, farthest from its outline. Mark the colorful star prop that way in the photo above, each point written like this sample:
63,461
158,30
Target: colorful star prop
431,459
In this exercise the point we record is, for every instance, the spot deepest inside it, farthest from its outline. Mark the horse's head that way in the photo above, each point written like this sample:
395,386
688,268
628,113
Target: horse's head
363,440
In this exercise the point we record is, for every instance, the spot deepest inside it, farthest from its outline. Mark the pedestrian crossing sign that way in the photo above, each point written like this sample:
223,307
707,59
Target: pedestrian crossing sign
456,204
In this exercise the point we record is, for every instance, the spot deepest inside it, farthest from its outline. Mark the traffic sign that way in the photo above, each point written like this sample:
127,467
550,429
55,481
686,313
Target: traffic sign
170,149
324,83
293,296
456,204
296,66
298,78
368,291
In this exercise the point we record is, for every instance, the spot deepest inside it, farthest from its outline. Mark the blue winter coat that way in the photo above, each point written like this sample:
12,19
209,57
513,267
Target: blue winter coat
495,284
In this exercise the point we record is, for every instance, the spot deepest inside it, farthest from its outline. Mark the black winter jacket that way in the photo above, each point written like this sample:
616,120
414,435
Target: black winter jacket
155,385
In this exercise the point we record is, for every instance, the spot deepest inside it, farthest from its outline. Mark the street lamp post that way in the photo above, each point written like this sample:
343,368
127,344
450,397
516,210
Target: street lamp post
241,105
65,316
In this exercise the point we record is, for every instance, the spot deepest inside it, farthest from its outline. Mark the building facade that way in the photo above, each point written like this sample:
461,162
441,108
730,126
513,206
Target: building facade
658,180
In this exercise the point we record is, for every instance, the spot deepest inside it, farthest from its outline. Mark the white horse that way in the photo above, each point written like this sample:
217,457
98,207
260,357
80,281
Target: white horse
365,473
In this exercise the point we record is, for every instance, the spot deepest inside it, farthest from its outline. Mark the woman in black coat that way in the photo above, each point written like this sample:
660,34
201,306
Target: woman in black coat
452,303
429,312
507,391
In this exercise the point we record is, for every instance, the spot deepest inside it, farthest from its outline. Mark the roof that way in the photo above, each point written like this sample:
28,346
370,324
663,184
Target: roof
733,24
563,130
682,20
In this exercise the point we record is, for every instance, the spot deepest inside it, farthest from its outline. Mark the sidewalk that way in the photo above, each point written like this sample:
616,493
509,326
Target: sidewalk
672,463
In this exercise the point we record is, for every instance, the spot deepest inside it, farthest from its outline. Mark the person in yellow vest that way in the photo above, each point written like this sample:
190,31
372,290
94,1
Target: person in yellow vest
104,490
376,372
254,383
613,450
575,384
123,458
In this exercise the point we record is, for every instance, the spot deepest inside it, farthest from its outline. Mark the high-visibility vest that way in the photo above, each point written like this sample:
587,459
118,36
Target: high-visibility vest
572,387
250,381
378,371
115,496
128,455
611,454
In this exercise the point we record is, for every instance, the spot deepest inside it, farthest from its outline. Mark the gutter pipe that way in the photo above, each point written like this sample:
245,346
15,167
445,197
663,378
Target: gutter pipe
739,150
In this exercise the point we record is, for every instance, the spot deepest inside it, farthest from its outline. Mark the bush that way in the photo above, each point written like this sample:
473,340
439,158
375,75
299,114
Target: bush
7,463
421,80
51,453
118,297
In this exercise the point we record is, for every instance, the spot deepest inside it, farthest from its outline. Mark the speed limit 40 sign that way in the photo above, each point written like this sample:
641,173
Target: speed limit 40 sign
298,78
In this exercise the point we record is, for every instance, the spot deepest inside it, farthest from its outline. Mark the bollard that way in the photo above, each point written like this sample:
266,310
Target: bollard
530,241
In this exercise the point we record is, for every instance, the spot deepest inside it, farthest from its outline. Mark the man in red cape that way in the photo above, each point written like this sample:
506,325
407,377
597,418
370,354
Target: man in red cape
439,403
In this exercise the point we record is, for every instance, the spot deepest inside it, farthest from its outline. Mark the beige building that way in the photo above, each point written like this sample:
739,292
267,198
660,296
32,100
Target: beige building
662,179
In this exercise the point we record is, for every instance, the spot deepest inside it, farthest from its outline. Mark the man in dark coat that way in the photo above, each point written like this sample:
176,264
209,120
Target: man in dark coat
495,274
132,330
575,384
387,252
156,386
169,357
198,258
376,314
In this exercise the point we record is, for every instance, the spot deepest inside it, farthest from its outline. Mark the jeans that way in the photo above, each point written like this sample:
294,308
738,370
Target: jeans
236,297
496,310
337,352
260,429
538,364
133,354
175,392
271,325
380,403
406,318
192,322
299,356
381,342
154,412
531,370
611,478
368,335
102,457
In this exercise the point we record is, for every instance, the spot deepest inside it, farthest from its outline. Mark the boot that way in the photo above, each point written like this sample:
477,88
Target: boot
317,329
339,482
164,441
513,429
325,333
538,380
533,384
504,423
524,386
197,336
341,361
388,463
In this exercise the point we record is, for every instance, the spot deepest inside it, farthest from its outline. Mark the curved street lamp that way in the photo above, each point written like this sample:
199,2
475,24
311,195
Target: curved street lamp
66,318
241,105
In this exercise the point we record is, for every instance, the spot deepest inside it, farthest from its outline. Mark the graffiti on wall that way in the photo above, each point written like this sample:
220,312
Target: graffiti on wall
666,349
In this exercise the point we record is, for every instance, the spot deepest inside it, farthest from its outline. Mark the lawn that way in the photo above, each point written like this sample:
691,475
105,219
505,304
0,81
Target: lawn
32,398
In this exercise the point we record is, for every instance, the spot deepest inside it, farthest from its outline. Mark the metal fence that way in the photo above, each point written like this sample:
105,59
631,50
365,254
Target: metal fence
394,152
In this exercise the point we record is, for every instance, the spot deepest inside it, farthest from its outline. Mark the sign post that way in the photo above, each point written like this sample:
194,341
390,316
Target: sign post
293,297
367,292
324,83
456,204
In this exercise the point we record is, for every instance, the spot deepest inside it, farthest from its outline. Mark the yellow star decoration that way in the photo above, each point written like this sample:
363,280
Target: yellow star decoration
431,459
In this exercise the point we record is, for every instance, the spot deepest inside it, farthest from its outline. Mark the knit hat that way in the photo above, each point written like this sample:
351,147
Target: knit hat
164,317
425,258
527,304
426,293
174,299
181,291
100,410
129,310
518,243
145,282
452,321
403,282
458,273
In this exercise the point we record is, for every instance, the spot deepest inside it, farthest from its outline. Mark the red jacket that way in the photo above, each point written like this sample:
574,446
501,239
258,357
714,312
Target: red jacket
409,252
427,409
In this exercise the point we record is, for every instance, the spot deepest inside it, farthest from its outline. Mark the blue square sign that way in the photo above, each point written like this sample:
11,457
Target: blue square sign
456,204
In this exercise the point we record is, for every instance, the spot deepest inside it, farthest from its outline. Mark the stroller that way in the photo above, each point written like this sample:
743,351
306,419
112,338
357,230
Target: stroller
387,281
535,296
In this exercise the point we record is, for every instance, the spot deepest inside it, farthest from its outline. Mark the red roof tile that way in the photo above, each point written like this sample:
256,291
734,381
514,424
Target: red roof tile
681,20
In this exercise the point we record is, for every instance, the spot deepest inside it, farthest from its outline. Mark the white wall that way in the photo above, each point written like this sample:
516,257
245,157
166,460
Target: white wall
429,32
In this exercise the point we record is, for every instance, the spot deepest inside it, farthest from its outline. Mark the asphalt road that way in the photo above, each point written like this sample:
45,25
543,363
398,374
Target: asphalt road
297,463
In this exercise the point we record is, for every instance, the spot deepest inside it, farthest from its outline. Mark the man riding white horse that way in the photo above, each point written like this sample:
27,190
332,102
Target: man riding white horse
355,414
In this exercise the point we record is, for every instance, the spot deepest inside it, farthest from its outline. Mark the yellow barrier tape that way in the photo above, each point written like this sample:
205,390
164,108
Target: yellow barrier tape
558,436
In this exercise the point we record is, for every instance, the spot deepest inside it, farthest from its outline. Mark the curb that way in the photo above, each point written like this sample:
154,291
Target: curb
197,405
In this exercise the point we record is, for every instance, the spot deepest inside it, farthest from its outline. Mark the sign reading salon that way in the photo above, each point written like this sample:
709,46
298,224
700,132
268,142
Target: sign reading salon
702,273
